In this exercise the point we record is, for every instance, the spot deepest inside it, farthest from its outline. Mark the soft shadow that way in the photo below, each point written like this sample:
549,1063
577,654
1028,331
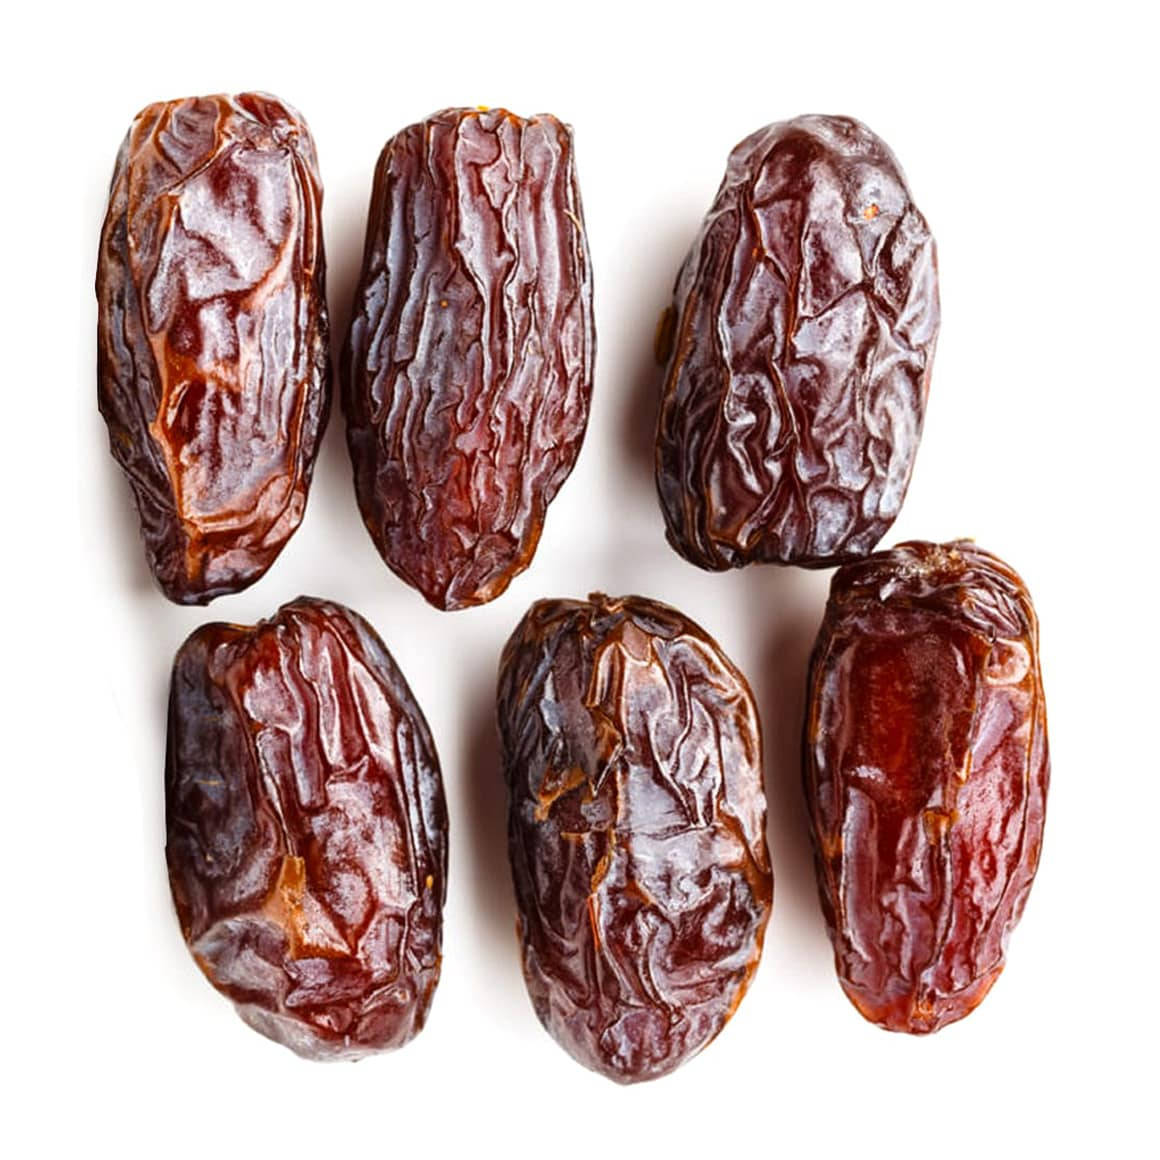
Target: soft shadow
791,602
485,817
641,401
344,247
345,235
117,516
333,478
656,272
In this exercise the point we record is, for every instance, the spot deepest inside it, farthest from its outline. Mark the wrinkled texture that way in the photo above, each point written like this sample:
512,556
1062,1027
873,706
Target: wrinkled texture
799,351
926,772
636,829
212,352
468,368
306,829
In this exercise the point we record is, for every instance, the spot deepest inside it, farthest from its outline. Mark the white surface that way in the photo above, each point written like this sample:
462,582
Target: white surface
1025,141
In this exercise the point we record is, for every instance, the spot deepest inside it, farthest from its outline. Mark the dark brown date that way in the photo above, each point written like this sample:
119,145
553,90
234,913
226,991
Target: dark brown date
926,774
799,351
212,358
307,832
636,829
468,367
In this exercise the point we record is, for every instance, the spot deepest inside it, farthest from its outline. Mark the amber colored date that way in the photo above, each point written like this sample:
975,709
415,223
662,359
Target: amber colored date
212,356
799,349
306,829
468,366
636,829
926,771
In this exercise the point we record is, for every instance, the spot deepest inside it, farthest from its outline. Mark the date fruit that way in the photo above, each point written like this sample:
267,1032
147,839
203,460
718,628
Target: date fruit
468,366
306,829
926,771
636,829
213,362
799,349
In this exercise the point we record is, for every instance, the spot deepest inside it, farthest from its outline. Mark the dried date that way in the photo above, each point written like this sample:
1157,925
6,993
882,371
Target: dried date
799,349
636,829
926,772
468,366
212,351
306,829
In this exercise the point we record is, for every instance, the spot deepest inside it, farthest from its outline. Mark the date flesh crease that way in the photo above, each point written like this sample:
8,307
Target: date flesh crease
636,829
926,772
212,352
307,831
798,349
468,366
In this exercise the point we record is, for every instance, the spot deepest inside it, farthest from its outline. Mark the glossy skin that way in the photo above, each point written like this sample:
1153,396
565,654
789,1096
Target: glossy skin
212,352
798,352
926,772
636,829
307,831
468,367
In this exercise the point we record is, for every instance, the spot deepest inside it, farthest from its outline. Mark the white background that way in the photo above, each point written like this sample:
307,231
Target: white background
1028,136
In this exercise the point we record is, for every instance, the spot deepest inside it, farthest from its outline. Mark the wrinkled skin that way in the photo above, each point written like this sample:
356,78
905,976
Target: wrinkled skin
926,772
799,350
212,353
468,367
636,829
306,829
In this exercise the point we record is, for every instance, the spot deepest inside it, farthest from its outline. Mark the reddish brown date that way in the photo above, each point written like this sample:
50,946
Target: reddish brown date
468,367
926,774
636,829
212,357
799,350
307,832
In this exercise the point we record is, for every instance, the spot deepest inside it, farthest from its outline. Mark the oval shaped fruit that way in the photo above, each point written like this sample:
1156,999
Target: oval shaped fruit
799,350
636,829
926,772
213,361
306,829
468,366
